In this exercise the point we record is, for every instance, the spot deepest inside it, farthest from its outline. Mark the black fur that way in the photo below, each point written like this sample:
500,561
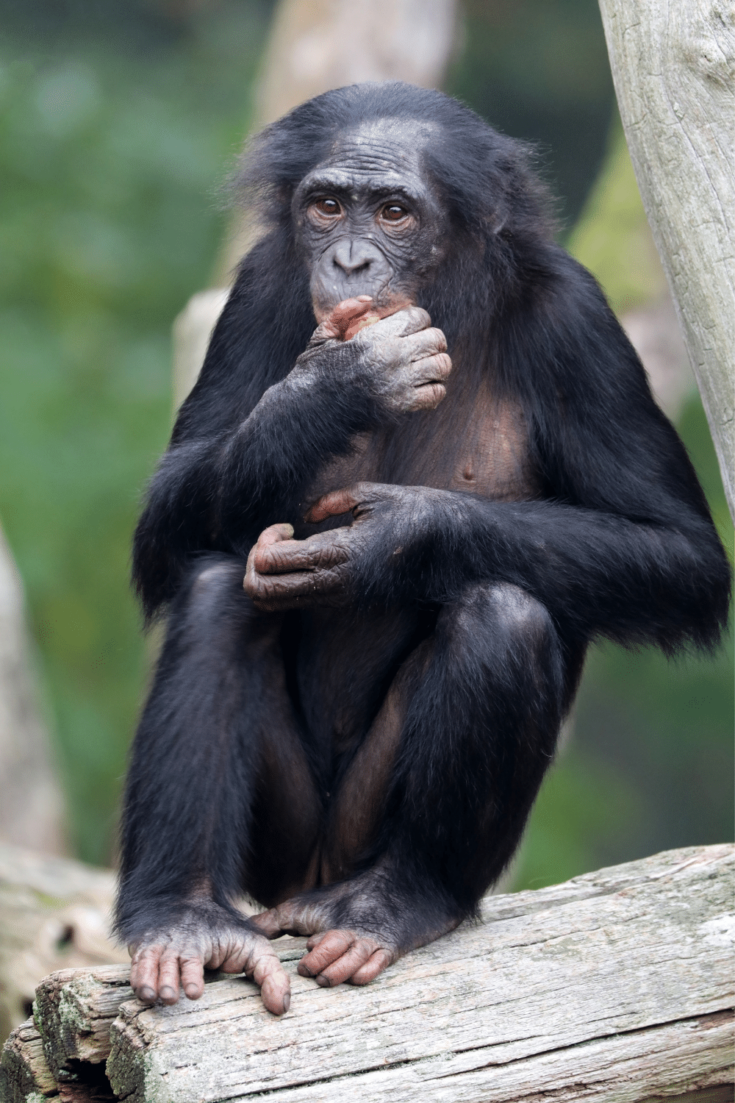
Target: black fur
620,544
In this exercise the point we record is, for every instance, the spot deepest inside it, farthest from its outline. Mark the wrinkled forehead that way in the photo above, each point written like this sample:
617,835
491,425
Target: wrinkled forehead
382,154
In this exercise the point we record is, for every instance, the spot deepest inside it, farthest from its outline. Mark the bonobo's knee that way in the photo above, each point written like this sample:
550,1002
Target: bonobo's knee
214,587
507,611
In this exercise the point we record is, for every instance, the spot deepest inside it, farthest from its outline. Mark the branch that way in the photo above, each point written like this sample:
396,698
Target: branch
614,986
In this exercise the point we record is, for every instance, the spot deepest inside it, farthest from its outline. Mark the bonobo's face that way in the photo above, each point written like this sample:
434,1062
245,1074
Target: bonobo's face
367,219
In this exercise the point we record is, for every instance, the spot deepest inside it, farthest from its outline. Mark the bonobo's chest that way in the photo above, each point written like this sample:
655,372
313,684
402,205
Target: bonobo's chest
472,442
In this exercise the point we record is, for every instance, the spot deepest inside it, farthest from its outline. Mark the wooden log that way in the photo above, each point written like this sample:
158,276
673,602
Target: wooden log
24,1071
55,913
616,986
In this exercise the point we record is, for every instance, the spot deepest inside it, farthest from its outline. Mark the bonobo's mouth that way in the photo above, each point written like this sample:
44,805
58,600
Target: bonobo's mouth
382,305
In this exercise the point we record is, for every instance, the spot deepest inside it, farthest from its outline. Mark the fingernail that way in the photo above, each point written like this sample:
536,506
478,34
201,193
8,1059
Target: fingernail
192,992
322,981
147,994
286,1002
167,992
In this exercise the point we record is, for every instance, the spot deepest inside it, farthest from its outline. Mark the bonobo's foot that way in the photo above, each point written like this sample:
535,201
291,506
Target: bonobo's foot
357,928
204,935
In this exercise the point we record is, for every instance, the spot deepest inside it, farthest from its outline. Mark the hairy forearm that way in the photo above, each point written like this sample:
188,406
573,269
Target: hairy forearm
265,467
597,573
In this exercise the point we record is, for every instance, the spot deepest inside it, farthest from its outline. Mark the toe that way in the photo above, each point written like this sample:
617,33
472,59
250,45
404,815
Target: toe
268,923
144,973
275,987
168,978
192,977
345,966
372,968
329,948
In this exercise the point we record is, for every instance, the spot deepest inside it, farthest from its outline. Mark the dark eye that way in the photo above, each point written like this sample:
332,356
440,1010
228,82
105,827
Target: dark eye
328,206
393,212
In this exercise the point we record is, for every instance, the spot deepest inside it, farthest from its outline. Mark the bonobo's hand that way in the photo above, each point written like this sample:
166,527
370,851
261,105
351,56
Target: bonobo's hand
283,573
401,359
204,936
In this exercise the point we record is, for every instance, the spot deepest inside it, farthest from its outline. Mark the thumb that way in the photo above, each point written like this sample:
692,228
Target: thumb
332,504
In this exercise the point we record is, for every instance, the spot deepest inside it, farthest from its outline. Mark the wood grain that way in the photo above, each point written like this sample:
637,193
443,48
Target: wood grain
673,65
615,987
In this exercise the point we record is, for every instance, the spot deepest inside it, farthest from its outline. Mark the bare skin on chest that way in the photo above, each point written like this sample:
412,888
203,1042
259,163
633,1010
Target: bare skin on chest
490,457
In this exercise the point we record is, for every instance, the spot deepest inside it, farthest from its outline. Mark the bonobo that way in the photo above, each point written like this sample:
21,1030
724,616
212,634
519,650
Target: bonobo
380,568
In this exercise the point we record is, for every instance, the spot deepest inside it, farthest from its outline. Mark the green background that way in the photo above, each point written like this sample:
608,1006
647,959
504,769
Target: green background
117,125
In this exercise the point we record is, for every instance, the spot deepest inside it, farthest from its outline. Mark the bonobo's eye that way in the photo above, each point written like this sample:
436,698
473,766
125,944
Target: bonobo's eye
326,206
393,212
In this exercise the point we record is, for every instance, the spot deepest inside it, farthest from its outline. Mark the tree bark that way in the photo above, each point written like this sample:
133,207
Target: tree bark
31,801
673,66
615,987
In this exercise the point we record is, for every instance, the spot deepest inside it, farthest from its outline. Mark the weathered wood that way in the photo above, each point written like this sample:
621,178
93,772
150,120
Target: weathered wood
616,986
76,1009
24,1071
673,65
54,913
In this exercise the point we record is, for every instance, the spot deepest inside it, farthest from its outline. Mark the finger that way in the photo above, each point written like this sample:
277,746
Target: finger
332,504
374,315
432,369
324,550
372,967
192,976
168,977
272,535
427,397
428,342
333,325
330,948
144,973
343,968
404,322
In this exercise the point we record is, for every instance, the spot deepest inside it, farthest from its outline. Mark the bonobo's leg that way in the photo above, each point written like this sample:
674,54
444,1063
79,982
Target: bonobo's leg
217,724
467,731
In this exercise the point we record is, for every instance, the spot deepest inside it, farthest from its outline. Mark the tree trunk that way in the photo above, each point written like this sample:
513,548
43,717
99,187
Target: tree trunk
616,987
31,801
673,65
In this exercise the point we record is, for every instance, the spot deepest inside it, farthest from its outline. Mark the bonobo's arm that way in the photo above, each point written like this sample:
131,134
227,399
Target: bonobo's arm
623,544
219,484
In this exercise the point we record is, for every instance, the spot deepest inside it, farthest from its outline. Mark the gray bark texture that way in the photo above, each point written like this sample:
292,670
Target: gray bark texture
615,987
31,801
673,64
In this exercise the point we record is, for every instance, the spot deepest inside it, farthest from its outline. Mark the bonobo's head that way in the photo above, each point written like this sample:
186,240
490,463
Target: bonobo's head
396,192
368,221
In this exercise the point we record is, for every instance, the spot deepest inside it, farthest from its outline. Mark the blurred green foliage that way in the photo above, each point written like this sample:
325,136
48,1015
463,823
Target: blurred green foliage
108,162
116,124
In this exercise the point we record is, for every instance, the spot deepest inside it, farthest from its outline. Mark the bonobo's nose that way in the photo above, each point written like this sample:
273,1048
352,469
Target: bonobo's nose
353,256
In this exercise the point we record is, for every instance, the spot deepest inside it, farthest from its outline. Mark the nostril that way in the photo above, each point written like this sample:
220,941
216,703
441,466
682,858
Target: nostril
352,266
